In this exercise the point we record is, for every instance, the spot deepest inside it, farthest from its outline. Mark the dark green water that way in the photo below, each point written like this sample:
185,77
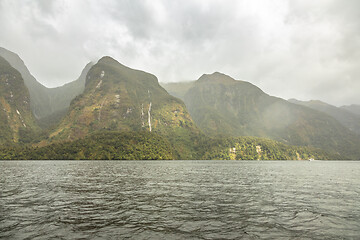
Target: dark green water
179,200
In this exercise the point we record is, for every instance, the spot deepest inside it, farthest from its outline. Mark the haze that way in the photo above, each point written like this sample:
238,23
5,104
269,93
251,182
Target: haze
300,49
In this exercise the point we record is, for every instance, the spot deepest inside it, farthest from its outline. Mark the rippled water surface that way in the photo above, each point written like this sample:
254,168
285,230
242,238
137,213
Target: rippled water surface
179,200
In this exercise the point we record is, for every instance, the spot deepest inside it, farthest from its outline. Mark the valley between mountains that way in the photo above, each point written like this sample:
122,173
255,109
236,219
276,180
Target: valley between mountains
115,112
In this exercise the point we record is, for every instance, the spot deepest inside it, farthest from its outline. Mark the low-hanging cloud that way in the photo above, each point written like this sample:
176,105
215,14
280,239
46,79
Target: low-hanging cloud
290,48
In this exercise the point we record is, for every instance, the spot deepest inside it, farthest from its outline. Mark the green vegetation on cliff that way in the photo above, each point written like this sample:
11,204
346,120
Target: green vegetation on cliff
252,148
345,117
17,124
143,145
118,98
47,104
219,104
100,146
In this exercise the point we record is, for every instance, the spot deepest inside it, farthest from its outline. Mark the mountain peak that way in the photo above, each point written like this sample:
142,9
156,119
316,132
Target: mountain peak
110,61
6,54
107,59
318,102
108,66
216,77
310,102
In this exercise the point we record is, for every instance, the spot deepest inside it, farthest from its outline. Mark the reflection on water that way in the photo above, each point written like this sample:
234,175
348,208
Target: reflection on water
179,200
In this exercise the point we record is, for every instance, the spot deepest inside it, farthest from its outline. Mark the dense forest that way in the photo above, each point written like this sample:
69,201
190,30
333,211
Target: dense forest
253,148
100,146
151,146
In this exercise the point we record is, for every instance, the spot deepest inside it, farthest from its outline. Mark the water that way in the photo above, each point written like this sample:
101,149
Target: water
179,200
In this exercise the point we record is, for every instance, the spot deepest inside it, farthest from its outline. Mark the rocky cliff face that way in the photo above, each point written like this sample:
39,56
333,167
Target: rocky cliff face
17,123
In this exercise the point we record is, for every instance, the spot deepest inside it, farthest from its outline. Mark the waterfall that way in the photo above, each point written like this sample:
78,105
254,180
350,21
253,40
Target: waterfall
149,117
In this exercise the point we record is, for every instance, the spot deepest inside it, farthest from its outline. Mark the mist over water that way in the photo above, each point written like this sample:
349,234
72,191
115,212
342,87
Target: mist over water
179,200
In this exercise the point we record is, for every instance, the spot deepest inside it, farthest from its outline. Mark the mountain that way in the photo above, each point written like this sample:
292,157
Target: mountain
347,118
352,108
46,102
60,98
118,98
17,123
40,104
177,89
221,105
124,113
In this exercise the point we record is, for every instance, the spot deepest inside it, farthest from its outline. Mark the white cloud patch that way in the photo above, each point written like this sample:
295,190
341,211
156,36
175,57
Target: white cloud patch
290,48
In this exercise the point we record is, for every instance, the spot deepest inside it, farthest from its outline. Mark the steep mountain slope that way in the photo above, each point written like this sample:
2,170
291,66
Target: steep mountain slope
16,120
46,101
353,108
123,99
177,89
221,105
60,98
348,119
40,104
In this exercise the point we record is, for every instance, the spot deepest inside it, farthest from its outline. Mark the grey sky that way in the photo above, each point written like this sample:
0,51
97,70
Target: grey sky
290,48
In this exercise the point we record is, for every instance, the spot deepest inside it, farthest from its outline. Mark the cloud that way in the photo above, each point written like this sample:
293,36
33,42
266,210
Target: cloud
290,48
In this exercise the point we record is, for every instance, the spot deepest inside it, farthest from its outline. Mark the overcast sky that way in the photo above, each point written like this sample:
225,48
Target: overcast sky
306,49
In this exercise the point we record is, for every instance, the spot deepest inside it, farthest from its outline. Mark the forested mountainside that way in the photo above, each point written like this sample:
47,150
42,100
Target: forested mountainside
221,105
145,145
17,124
345,117
223,118
119,98
353,108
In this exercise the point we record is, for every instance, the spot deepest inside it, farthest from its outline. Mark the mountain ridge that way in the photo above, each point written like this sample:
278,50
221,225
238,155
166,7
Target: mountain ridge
345,117
242,109
111,97
354,108
46,101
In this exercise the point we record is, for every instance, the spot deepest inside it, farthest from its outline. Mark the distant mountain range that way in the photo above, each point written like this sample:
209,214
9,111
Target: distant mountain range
345,116
221,105
215,117
352,108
